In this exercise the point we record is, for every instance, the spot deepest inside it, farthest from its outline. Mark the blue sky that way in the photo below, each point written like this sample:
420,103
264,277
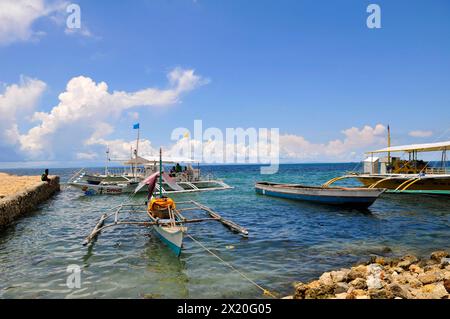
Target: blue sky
310,68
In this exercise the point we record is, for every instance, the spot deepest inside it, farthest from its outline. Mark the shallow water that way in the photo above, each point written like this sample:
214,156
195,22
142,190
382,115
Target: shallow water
289,241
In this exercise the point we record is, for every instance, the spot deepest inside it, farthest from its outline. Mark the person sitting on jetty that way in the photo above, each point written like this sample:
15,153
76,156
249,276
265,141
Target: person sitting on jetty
44,177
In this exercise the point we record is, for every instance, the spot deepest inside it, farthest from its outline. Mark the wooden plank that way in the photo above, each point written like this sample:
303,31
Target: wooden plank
228,223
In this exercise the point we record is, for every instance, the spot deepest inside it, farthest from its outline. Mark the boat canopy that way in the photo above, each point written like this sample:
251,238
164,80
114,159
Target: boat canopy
428,147
137,161
169,160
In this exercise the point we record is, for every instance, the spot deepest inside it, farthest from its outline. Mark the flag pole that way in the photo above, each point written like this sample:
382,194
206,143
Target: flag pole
160,172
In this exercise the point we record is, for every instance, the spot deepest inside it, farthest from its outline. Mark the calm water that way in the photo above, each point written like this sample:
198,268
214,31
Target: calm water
289,241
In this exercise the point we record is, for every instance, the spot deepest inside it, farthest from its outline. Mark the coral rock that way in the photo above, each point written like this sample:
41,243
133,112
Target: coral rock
438,255
359,283
357,272
429,277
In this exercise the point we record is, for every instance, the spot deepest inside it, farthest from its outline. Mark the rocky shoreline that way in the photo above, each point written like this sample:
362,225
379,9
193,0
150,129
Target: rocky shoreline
407,277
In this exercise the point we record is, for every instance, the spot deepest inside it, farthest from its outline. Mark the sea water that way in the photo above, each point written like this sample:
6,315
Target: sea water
289,241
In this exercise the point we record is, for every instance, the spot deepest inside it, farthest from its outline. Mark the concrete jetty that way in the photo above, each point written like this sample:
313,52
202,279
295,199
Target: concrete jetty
22,194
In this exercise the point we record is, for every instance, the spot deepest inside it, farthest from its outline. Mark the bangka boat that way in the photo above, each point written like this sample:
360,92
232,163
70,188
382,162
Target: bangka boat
349,197
116,181
405,176
163,214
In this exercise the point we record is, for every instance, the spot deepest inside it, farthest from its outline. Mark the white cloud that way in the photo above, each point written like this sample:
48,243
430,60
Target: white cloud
85,107
294,147
419,133
16,102
17,18
86,156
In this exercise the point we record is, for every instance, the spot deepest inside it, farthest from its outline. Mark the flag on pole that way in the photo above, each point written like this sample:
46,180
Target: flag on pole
136,126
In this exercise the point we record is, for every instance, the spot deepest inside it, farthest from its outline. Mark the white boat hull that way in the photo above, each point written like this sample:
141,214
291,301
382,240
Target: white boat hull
171,236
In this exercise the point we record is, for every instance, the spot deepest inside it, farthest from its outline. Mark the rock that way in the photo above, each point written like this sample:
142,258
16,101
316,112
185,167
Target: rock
429,277
357,272
316,290
326,279
300,290
374,282
446,274
400,291
341,295
380,294
398,269
407,278
380,261
363,297
359,283
438,255
340,287
416,269
374,279
447,285
355,293
407,261
432,291
340,275
445,262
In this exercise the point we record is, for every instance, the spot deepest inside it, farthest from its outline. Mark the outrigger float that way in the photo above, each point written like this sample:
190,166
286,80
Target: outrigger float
163,215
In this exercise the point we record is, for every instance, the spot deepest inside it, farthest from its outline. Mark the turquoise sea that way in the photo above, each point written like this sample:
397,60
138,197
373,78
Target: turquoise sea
289,241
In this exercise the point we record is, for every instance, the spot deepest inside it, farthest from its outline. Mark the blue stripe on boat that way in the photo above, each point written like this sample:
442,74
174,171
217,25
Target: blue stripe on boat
172,246
338,200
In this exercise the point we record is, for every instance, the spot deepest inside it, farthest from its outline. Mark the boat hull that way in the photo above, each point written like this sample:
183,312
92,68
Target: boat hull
348,197
92,189
425,184
171,237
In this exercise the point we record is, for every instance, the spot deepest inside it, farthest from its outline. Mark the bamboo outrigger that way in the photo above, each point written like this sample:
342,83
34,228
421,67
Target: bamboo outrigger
163,215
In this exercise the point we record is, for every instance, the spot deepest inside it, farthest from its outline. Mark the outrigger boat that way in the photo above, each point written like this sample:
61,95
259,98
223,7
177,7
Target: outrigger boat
341,196
398,176
124,180
163,214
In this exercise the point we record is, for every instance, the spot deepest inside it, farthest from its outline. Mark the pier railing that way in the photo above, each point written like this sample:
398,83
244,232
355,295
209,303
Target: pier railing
436,170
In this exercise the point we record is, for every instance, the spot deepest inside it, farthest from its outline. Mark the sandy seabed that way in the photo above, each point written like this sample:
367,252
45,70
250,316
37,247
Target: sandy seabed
12,184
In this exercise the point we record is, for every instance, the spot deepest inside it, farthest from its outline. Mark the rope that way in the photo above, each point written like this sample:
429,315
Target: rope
266,292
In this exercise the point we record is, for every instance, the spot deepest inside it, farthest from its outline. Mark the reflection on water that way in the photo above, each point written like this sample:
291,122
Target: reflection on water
289,241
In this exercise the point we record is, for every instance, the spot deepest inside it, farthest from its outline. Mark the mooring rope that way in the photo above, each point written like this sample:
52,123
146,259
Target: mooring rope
266,292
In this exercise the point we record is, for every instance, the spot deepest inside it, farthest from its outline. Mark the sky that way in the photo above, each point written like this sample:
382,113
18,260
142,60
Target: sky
312,69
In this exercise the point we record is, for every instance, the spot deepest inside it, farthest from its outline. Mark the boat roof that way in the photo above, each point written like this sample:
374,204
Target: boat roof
168,160
136,161
427,147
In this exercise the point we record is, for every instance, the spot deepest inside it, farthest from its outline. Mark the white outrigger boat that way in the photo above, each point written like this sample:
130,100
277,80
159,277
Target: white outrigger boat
404,176
164,216
124,180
